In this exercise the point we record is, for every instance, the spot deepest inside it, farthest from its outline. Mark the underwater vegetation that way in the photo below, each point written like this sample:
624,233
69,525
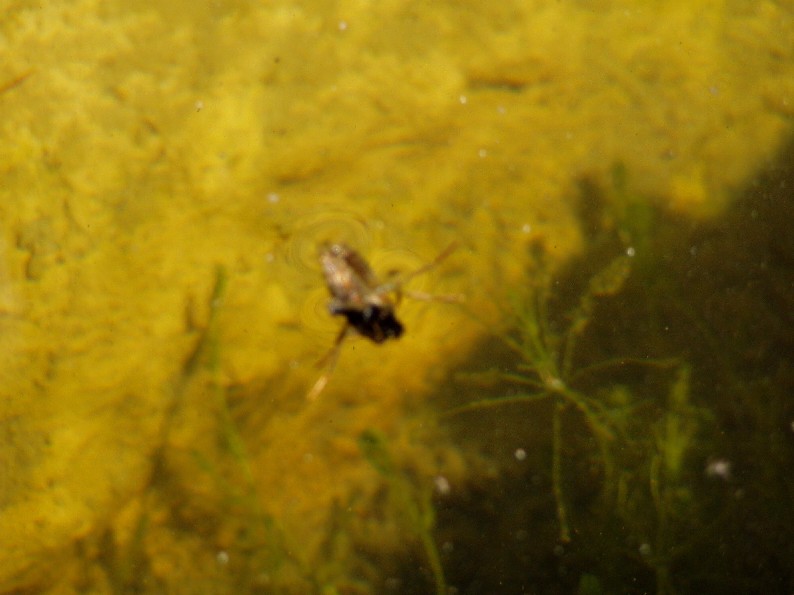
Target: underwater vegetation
414,504
618,405
629,431
547,370
249,549
203,522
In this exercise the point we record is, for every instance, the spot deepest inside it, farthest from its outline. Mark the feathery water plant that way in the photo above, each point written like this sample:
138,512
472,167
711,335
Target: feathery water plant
546,367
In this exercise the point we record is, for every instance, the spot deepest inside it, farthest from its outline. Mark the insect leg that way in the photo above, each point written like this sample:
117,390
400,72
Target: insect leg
433,264
453,298
329,360
399,281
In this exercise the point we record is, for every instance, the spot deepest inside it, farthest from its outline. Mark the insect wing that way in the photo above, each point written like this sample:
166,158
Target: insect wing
348,277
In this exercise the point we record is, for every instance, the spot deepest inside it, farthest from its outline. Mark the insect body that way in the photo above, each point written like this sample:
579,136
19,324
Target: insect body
365,303
357,294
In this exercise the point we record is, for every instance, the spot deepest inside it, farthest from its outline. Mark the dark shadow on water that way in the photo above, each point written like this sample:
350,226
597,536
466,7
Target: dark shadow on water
695,494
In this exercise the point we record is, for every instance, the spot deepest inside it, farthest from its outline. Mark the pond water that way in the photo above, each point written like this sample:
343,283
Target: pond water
592,390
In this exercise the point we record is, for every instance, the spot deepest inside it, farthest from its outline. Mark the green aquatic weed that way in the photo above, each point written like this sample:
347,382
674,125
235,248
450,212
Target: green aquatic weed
230,465
551,368
546,367
413,502
673,439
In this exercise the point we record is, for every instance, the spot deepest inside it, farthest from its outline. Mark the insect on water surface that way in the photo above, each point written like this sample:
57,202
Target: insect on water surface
366,303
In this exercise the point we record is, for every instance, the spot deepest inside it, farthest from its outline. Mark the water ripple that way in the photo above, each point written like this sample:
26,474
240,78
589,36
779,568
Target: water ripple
328,225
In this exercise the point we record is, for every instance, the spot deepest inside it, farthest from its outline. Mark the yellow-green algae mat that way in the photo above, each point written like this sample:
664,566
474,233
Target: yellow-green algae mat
143,151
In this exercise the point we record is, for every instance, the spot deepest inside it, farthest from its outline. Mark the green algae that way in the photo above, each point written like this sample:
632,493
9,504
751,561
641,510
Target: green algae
411,502
126,178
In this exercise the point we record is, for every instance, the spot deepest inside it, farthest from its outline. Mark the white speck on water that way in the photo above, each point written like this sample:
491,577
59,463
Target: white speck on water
442,485
719,469
630,251
463,99
520,454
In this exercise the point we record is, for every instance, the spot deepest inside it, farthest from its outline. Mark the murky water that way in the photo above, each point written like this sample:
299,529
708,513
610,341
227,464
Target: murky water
607,412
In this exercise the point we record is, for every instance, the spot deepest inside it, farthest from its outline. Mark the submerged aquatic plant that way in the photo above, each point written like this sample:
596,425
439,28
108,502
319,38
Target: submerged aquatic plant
412,502
642,446
636,408
546,368
695,498
236,483
673,438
